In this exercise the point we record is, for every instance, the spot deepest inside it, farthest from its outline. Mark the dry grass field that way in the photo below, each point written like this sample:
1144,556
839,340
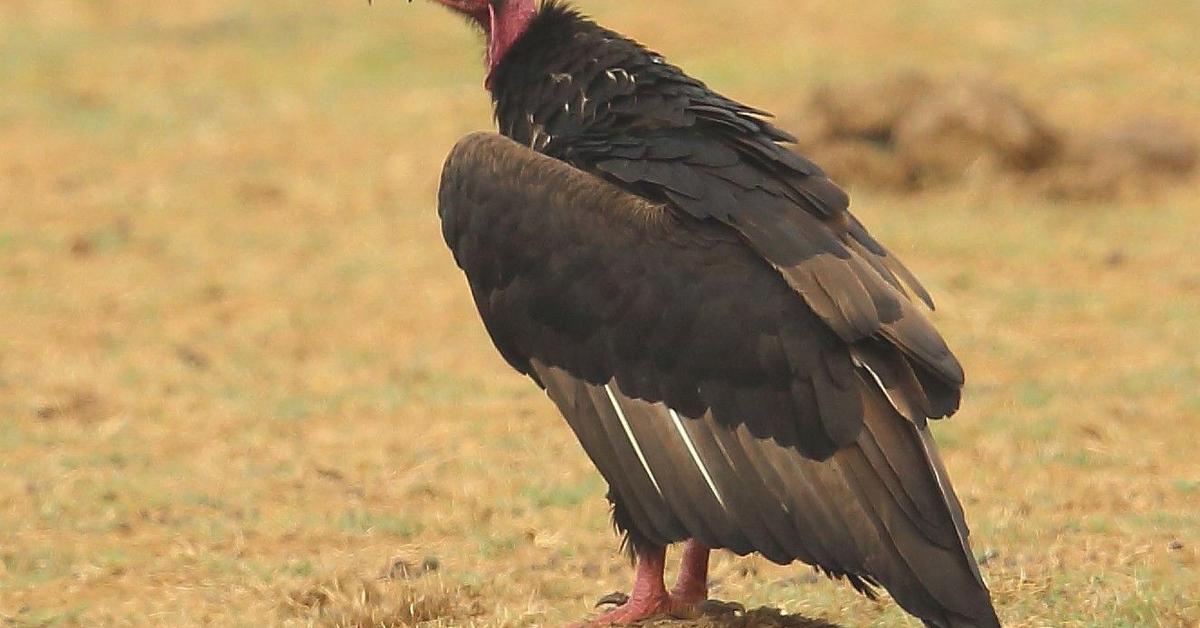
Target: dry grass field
242,383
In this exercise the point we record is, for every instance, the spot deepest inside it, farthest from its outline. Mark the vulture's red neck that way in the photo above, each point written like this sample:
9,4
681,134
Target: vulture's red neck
506,21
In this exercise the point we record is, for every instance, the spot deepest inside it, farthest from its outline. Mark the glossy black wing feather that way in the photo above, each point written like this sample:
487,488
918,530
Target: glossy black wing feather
580,275
879,512
798,223
647,127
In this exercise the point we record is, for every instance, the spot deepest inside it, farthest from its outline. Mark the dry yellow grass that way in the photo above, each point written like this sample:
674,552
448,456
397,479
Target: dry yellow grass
240,377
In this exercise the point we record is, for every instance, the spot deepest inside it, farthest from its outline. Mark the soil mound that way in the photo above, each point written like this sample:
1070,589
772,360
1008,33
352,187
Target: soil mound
909,132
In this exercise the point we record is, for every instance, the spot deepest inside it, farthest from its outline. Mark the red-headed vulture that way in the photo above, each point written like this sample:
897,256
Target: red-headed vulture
745,365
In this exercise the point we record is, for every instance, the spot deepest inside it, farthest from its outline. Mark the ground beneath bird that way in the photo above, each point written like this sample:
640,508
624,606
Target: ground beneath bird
396,600
724,615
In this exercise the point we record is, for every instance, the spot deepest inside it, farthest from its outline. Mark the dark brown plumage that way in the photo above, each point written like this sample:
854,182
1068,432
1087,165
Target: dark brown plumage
741,360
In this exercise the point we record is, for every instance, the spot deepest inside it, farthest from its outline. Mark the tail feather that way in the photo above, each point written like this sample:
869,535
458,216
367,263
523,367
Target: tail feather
881,511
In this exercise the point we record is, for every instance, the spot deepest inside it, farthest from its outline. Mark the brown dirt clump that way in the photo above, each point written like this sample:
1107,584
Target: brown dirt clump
868,110
954,126
1129,162
81,405
909,132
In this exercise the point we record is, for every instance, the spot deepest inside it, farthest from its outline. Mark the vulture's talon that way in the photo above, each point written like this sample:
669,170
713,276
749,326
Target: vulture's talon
616,598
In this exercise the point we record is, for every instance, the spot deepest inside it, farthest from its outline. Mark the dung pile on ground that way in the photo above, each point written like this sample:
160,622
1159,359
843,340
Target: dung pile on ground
956,127
1130,161
908,132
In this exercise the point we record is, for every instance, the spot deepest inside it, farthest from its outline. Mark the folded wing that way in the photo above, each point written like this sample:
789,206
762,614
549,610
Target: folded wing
712,394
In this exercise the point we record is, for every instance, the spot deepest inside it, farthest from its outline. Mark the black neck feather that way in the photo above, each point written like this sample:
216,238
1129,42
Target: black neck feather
568,78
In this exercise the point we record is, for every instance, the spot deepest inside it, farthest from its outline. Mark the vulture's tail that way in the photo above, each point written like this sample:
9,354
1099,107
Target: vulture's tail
879,512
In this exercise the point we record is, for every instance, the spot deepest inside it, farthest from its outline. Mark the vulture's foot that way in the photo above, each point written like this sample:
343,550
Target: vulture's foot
650,598
642,607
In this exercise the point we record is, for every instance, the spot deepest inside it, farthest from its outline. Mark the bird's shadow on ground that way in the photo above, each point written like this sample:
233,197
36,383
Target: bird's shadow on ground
725,615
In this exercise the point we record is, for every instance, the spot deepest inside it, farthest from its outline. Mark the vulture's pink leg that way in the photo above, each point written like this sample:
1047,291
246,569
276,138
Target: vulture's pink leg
691,588
649,597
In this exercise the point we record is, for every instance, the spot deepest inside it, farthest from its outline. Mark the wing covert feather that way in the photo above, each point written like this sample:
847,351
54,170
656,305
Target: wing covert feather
580,275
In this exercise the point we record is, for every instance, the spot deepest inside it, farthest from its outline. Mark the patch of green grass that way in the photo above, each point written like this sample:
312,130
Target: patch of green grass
88,115
1041,428
948,437
31,566
1144,607
1098,524
296,408
1186,486
1033,394
1178,522
107,239
1083,459
562,495
1159,378
12,436
493,546
205,500
222,564
115,459
431,386
363,522
300,567
471,578
49,618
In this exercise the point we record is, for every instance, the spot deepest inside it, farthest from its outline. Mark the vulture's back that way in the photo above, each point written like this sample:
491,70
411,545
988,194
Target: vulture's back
713,398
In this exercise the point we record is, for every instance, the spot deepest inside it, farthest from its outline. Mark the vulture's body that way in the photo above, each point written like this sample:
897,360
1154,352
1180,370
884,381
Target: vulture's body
742,361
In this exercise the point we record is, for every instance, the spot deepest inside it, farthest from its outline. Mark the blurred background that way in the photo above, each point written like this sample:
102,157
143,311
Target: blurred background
242,383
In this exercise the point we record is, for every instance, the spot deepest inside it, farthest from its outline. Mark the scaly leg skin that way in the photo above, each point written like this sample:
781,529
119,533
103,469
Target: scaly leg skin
650,598
691,588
